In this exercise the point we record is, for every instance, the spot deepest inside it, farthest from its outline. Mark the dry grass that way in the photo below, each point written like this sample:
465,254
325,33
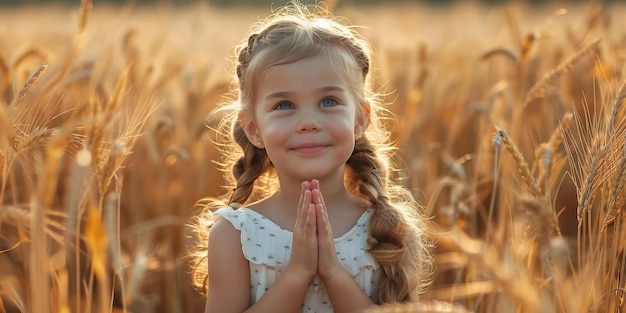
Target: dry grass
510,121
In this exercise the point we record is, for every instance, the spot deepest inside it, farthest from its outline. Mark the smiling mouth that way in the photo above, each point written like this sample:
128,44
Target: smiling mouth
309,149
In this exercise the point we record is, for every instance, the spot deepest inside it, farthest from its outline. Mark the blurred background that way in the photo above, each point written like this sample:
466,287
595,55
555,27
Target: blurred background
508,118
282,2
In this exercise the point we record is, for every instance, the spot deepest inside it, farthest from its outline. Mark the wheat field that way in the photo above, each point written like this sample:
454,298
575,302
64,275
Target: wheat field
509,121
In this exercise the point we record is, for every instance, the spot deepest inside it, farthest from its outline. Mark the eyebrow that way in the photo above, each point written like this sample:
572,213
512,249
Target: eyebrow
284,94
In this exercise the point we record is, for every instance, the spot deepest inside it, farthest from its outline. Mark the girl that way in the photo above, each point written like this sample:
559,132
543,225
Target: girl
314,223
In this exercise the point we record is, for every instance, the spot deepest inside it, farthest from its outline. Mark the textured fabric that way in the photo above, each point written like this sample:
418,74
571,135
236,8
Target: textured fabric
267,247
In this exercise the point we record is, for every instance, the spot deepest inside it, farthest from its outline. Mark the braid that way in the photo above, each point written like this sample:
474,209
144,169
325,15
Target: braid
274,33
245,55
359,54
247,168
390,242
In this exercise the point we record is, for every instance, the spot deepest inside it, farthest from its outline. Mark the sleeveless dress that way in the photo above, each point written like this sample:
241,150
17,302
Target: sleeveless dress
267,247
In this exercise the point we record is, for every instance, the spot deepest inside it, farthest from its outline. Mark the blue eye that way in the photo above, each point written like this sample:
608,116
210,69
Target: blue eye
328,102
284,106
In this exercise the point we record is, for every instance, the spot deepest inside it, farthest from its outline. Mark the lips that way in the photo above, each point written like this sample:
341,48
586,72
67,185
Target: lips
310,149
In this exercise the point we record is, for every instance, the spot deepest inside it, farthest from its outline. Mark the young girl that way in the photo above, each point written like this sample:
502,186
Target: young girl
314,223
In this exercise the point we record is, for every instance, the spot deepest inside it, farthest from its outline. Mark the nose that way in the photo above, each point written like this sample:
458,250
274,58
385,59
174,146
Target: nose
308,121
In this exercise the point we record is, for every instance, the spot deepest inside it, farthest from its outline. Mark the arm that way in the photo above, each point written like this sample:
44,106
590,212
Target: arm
302,267
344,292
229,273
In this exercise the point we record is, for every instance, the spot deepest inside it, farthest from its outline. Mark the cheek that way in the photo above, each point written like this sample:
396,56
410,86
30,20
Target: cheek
344,123
273,132
344,130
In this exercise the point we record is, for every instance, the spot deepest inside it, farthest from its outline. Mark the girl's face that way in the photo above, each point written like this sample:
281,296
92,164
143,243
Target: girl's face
305,117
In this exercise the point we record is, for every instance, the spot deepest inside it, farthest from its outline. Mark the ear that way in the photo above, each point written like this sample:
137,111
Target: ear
249,126
361,120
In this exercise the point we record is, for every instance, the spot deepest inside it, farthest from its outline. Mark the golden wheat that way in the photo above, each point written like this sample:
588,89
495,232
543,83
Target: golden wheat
538,90
104,150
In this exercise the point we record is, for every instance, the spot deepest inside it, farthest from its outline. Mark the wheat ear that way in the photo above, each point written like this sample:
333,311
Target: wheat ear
83,16
538,90
4,70
421,307
615,193
545,152
522,165
588,192
507,53
30,83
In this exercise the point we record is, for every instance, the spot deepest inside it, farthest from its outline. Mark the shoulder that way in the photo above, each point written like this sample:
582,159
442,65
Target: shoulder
224,246
223,233
235,224
235,217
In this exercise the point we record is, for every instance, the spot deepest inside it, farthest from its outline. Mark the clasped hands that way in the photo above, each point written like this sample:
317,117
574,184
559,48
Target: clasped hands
313,251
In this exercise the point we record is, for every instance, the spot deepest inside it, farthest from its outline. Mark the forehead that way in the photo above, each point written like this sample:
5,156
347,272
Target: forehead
329,66
312,69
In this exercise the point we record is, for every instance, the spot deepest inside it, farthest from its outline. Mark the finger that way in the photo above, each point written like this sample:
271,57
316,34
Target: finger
323,222
328,260
304,186
300,201
321,199
304,215
317,198
324,231
311,221
315,184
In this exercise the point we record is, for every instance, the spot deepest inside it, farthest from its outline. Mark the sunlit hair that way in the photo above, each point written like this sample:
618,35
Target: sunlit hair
294,33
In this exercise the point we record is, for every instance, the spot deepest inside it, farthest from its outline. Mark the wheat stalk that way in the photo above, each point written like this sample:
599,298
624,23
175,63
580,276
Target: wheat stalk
83,16
544,226
616,189
522,166
490,259
30,83
527,44
506,53
106,130
513,26
7,287
590,155
97,241
5,77
33,53
544,155
422,307
37,138
62,285
539,88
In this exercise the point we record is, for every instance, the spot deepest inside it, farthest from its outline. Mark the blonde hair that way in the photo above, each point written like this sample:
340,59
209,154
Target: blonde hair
294,33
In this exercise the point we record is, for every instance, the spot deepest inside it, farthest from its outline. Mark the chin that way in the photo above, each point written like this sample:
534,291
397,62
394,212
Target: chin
308,177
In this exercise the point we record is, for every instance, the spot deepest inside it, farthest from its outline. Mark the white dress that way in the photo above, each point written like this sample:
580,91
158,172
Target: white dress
267,247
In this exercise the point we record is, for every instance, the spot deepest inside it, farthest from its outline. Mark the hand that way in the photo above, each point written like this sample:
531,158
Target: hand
327,263
304,249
